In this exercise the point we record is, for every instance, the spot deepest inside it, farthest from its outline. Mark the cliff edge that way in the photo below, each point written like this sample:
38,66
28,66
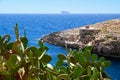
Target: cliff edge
103,36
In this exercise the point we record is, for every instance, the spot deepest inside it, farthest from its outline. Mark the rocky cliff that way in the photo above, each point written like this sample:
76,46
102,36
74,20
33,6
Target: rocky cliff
104,37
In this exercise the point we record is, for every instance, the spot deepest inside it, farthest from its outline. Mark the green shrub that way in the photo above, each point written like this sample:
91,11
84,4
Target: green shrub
20,62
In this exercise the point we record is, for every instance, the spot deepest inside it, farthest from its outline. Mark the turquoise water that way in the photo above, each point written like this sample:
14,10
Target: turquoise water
39,25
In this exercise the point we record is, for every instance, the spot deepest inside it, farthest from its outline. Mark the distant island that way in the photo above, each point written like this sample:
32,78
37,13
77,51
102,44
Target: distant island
64,12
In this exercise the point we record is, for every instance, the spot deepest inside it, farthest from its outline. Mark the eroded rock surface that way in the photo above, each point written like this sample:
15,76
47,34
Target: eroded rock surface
104,37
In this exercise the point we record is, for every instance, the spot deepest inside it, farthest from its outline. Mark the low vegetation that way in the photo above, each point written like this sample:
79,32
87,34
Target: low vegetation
20,62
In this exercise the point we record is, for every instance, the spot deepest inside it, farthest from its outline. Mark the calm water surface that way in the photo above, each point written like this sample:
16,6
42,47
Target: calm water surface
38,25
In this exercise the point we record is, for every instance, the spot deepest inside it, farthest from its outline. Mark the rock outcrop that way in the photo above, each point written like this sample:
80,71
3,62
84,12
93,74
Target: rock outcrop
104,37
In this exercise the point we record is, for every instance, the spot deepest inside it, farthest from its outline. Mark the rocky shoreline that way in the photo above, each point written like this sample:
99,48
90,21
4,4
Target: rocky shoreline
103,36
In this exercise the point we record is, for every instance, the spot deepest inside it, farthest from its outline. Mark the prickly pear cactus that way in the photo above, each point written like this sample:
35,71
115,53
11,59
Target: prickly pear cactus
18,61
81,65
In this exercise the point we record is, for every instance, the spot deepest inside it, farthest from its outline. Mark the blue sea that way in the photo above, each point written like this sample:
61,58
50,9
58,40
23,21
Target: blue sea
39,25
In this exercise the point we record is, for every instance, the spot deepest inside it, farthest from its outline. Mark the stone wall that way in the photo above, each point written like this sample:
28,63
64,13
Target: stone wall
87,34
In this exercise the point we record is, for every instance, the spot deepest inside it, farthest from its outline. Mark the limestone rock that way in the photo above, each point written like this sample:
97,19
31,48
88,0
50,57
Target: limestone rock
103,36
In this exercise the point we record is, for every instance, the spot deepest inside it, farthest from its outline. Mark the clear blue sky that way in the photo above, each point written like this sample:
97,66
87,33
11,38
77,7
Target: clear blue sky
56,6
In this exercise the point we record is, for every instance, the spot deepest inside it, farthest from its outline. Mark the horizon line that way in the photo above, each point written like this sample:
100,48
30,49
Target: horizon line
60,13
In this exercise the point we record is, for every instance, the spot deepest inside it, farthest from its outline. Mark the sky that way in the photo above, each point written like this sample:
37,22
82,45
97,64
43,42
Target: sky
56,6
